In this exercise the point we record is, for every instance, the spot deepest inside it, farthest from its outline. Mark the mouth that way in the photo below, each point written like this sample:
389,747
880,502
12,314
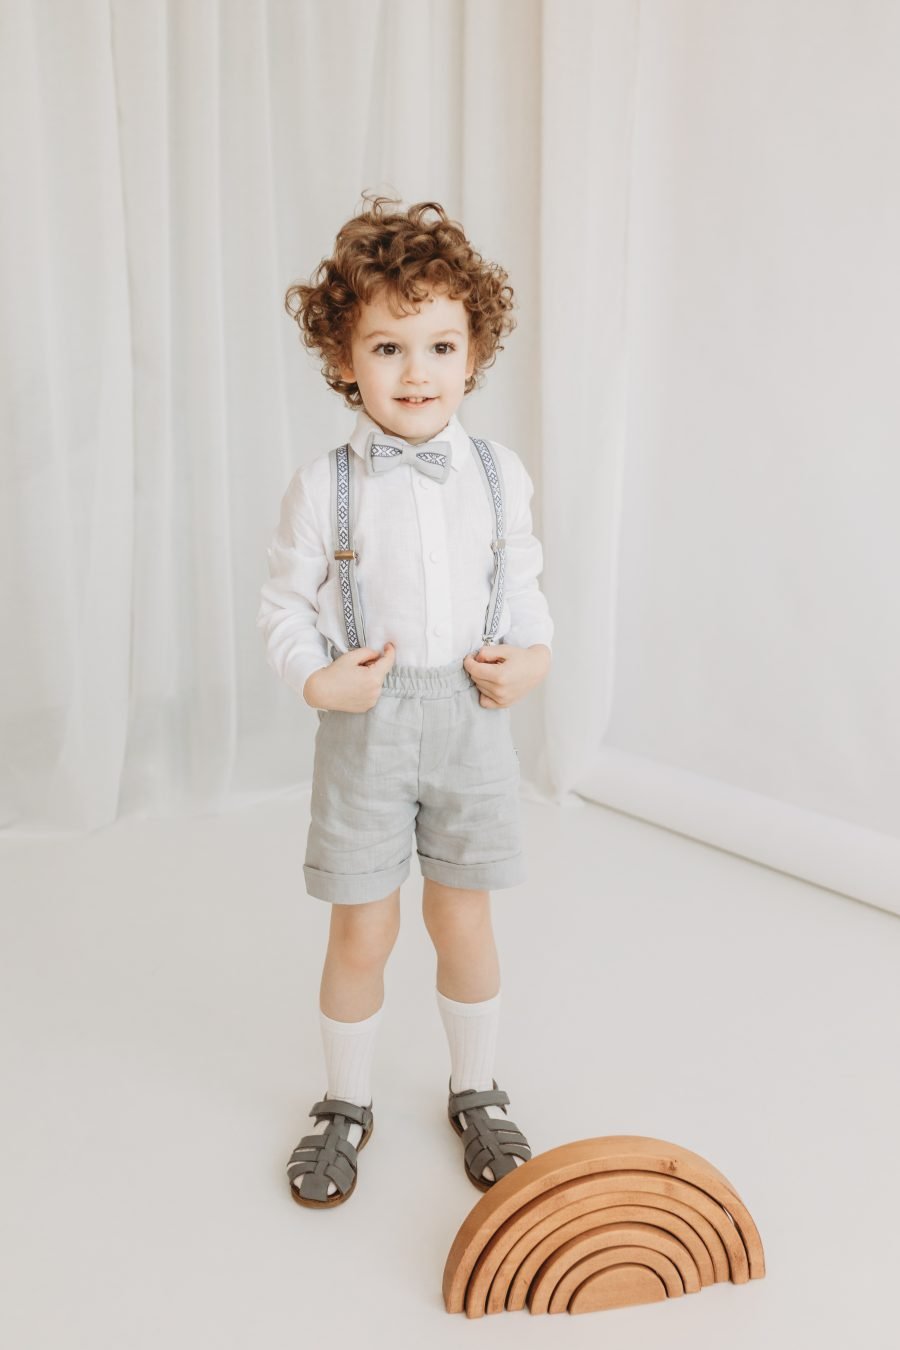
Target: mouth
415,402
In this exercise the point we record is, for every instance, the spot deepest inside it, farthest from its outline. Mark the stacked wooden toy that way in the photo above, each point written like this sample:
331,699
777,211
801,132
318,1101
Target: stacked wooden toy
601,1223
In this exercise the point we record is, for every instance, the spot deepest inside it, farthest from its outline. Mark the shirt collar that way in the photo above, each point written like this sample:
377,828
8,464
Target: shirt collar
454,432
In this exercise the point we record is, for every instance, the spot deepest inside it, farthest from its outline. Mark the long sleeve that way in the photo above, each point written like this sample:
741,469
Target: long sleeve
298,565
529,612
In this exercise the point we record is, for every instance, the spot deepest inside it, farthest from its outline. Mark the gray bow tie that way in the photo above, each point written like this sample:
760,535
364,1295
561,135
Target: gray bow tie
384,452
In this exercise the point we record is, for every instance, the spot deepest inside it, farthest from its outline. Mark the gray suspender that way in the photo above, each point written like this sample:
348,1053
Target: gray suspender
347,557
344,551
494,485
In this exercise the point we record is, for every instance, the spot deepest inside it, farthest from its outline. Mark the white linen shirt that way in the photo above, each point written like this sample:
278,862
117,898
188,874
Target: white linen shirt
425,562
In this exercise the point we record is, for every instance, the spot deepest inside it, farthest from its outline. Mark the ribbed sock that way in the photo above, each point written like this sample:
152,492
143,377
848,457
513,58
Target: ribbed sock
349,1048
472,1037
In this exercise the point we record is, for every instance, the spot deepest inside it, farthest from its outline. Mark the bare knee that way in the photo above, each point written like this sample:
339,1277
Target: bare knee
363,936
454,915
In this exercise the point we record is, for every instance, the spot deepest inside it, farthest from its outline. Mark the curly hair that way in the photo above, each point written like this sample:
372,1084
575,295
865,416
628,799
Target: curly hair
405,255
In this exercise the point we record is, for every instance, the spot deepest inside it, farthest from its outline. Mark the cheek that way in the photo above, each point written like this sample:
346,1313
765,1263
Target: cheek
379,381
367,373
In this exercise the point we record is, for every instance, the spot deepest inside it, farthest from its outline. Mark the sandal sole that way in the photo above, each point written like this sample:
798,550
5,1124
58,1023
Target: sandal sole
337,1198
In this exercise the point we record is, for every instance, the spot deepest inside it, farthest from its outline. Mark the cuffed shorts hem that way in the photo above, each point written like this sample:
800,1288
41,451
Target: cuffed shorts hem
482,876
342,888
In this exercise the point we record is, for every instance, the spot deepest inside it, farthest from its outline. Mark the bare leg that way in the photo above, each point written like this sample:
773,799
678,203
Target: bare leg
360,940
459,924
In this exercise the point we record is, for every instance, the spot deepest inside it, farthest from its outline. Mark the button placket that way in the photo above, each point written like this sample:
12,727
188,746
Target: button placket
438,595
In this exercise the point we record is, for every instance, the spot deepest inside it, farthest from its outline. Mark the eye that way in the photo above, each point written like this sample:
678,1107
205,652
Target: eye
451,347
384,344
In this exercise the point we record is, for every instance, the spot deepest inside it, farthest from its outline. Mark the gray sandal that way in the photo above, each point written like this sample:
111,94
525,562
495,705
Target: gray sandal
489,1141
329,1156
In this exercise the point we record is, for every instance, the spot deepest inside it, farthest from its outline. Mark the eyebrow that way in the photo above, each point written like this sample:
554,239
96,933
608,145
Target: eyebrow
446,332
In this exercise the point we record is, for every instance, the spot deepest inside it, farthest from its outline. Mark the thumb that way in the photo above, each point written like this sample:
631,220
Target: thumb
361,654
383,661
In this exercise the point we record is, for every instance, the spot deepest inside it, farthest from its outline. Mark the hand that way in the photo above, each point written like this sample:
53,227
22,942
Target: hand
352,683
504,674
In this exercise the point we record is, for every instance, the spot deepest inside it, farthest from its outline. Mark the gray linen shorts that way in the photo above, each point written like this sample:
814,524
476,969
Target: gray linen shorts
427,757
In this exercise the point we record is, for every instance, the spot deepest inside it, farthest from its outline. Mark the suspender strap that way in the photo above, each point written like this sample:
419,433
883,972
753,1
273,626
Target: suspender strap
493,481
344,552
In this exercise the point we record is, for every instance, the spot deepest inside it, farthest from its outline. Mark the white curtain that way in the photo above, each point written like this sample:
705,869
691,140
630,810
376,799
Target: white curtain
168,170
697,205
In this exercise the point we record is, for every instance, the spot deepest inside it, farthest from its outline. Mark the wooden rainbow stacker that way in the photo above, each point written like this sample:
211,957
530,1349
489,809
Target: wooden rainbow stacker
601,1223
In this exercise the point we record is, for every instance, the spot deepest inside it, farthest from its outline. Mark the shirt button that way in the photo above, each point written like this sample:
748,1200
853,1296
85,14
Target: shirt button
423,483
437,630
434,556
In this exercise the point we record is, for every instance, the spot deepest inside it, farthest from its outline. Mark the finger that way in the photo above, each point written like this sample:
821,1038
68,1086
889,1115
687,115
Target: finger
489,676
487,702
478,669
387,660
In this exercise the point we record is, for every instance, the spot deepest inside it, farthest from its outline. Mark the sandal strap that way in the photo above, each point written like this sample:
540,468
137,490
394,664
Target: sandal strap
320,1174
470,1099
483,1126
334,1106
516,1144
335,1144
500,1164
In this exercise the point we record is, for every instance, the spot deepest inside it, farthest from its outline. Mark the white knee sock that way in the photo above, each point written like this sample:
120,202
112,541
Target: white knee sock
349,1048
472,1037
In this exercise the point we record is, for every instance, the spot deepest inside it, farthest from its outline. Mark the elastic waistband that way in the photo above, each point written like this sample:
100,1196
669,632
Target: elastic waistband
426,681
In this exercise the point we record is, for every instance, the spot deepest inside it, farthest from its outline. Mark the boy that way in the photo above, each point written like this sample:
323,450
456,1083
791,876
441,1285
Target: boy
403,605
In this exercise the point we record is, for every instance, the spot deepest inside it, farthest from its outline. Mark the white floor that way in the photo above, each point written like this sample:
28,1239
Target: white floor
160,1038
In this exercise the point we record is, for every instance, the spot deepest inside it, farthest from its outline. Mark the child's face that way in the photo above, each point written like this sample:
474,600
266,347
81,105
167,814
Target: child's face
420,355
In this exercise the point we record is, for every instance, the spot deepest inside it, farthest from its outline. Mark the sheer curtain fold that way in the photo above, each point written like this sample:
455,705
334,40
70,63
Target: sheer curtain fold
589,94
68,455
174,169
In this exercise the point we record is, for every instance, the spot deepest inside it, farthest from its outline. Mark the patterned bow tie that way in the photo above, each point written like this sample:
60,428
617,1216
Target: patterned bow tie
384,452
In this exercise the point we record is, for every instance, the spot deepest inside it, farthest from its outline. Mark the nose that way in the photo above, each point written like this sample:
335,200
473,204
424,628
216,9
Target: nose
414,372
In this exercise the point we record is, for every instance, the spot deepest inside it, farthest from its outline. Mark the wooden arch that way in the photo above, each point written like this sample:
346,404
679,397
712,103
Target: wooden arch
601,1223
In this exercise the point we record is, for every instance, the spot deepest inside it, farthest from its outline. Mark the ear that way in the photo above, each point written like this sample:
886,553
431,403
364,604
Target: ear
347,374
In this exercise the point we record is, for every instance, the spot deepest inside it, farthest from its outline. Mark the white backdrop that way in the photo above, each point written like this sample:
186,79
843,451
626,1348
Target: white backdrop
697,204
757,632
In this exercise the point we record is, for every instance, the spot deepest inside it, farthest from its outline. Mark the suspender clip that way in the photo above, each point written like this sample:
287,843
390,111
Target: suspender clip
498,545
346,555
